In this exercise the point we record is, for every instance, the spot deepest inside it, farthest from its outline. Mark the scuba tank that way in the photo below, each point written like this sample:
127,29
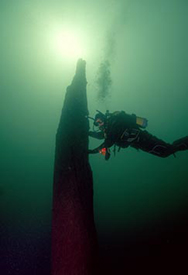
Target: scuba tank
141,122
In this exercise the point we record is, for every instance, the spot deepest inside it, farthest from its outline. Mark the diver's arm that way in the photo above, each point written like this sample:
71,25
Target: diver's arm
100,149
106,144
97,150
98,135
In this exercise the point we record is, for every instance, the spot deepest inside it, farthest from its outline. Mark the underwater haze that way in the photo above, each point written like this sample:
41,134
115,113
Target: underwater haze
136,61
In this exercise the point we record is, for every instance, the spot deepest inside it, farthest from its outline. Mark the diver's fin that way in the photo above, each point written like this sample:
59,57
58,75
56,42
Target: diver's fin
181,144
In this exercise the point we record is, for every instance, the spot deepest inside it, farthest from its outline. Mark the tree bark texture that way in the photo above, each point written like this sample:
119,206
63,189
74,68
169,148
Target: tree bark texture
74,242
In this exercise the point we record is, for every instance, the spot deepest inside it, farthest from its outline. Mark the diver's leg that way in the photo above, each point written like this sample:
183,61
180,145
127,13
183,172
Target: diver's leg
153,145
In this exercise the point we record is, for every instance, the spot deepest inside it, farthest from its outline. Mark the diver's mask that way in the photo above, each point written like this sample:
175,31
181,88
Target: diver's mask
99,120
99,123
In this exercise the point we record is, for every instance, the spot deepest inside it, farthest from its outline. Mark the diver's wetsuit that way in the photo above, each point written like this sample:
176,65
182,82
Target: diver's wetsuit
122,130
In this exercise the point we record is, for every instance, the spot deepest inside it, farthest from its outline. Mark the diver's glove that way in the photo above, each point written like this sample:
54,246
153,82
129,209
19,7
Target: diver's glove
105,152
107,156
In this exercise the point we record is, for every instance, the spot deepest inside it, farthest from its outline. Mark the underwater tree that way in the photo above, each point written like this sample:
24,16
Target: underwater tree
74,239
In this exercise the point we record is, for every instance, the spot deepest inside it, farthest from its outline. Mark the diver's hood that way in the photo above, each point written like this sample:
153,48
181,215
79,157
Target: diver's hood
100,116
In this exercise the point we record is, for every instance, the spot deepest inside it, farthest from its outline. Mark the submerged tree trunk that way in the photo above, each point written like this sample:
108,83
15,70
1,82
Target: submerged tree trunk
73,229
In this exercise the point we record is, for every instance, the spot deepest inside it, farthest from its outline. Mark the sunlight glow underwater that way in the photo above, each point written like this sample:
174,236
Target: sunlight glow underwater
69,45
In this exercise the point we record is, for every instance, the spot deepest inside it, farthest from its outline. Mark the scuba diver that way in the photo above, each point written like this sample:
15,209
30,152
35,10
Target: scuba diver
124,130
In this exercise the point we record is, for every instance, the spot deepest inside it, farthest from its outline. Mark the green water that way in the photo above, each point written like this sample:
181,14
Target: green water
136,195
